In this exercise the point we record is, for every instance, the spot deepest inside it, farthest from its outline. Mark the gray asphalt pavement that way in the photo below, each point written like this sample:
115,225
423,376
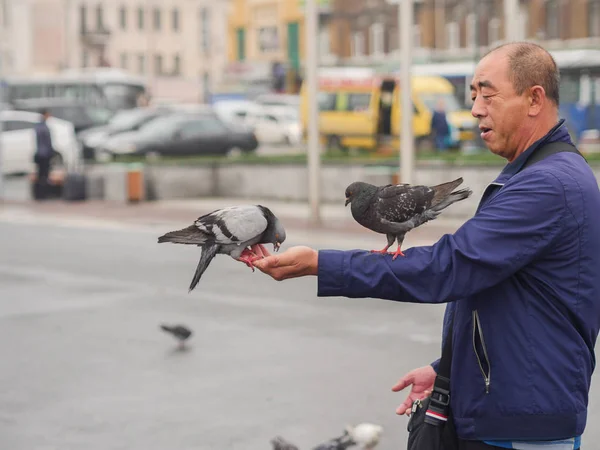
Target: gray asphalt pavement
85,365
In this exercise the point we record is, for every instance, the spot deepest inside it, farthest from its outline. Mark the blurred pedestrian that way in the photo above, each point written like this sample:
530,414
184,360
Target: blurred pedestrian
43,156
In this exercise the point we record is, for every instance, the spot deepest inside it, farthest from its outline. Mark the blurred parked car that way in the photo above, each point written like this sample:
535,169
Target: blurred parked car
276,125
180,134
19,142
122,122
81,115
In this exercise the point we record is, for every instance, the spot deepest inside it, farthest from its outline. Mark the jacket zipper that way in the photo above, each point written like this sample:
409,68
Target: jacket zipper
477,330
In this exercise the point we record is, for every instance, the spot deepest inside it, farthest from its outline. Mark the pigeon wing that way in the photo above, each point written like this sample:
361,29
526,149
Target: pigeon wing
232,225
399,203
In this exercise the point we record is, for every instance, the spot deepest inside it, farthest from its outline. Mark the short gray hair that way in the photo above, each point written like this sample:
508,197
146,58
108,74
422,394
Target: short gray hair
531,65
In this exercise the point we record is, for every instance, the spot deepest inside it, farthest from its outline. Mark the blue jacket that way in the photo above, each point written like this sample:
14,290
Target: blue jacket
43,140
523,276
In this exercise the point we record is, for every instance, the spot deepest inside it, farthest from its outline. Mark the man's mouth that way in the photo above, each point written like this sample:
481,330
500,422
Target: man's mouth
485,132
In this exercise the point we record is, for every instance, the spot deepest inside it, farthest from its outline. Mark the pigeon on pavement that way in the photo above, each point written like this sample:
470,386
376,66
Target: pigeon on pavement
230,231
394,210
366,435
180,332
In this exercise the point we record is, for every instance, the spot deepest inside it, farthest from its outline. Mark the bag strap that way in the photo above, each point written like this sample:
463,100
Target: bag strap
550,149
439,404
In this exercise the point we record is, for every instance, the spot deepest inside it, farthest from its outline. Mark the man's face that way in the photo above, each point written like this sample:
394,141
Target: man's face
502,114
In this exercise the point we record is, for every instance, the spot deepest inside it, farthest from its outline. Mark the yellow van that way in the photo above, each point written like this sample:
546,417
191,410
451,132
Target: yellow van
363,111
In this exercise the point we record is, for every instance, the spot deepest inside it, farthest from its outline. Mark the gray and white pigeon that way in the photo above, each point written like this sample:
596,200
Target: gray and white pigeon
180,332
237,231
394,210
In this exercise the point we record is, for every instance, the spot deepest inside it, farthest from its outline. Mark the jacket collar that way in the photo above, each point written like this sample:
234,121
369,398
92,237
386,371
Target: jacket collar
558,133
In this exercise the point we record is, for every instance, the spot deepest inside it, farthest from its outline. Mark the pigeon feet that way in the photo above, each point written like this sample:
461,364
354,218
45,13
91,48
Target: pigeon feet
382,252
398,253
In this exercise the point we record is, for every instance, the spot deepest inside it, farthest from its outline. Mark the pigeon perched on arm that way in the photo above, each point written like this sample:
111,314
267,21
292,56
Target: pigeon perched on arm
236,231
394,210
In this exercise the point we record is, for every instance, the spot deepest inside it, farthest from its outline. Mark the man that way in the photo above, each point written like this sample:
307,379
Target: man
521,276
440,129
43,154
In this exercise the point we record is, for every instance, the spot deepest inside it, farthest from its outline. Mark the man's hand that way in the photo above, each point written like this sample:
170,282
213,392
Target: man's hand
295,262
422,380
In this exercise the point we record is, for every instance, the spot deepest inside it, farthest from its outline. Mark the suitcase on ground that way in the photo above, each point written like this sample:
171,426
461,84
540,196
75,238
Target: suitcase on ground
74,187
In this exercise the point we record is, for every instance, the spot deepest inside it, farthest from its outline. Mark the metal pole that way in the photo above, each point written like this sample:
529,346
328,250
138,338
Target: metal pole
407,152
2,101
311,80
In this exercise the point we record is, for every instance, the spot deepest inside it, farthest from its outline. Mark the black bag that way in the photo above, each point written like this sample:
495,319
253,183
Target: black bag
74,188
431,426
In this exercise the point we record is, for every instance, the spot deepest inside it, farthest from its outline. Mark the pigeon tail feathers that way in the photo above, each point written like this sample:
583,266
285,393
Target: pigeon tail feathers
454,197
441,191
207,255
190,235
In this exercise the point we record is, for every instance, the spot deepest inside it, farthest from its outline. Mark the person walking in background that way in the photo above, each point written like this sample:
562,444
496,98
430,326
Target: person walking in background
43,155
440,130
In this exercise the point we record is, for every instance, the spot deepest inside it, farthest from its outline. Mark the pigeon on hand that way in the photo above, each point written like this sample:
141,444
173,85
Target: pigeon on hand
230,231
367,435
394,210
180,332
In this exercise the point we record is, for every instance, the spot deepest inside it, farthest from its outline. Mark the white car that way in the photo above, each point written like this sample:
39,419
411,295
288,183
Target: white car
18,142
276,125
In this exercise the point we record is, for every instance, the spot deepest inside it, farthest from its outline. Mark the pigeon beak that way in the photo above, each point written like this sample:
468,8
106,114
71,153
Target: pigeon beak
347,201
276,246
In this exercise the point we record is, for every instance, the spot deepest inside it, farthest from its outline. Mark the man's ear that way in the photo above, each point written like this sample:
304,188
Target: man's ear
537,99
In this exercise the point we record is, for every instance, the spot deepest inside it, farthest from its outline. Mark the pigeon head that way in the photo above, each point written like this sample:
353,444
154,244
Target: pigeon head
359,190
275,232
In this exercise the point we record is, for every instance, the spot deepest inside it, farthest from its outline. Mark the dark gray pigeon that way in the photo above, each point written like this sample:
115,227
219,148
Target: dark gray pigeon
394,210
180,332
236,231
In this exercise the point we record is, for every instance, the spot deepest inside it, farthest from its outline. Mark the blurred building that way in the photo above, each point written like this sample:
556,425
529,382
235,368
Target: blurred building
366,31
180,46
266,42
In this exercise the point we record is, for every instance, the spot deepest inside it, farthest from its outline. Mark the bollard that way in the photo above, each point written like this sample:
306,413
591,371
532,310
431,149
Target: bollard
135,182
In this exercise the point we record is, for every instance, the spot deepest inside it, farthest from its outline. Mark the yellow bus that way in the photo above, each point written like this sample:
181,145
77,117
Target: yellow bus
362,110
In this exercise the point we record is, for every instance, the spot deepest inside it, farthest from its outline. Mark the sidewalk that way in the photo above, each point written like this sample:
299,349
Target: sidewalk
336,221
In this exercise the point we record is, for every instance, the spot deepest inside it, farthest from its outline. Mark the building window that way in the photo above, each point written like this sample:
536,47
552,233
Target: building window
494,31
552,20
156,16
175,18
140,18
141,63
594,18
417,36
324,44
158,64
5,14
453,35
377,34
205,29
99,18
123,17
123,60
358,44
177,65
472,31
82,18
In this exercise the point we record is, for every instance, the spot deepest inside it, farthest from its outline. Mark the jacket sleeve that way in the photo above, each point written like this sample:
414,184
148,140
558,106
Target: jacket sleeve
511,230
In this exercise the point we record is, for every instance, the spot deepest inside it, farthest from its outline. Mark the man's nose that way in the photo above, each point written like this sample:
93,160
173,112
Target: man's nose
478,110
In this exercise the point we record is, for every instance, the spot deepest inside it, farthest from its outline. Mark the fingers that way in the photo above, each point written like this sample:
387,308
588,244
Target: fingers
405,408
267,264
407,380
